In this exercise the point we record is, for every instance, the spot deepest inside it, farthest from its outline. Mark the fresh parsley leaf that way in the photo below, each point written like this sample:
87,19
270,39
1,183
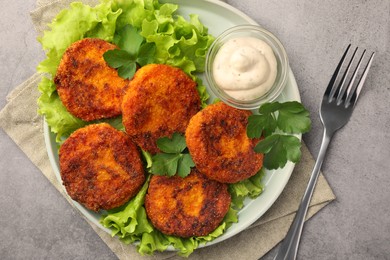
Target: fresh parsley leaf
172,160
261,124
127,70
146,53
132,50
279,148
290,118
293,118
165,164
129,40
117,58
185,165
176,144
269,108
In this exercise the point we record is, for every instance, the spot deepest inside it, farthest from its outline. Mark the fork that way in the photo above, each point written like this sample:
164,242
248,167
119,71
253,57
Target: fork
337,105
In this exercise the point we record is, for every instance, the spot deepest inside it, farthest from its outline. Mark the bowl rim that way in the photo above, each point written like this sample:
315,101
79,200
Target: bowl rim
279,52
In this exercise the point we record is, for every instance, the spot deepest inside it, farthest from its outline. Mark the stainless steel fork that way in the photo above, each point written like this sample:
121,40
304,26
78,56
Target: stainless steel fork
337,105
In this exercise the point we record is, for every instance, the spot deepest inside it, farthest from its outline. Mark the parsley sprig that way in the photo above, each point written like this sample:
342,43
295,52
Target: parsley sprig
173,158
277,123
133,50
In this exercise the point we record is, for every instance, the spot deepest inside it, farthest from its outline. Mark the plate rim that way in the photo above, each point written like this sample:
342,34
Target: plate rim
52,150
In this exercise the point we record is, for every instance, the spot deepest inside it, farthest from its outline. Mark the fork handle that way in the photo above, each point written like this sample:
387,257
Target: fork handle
289,247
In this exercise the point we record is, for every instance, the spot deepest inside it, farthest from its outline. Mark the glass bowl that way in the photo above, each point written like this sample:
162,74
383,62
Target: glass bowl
282,66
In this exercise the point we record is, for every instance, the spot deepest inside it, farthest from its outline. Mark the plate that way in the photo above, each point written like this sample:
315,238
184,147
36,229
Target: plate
217,16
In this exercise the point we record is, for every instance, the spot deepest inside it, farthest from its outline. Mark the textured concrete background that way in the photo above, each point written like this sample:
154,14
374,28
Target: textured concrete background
37,223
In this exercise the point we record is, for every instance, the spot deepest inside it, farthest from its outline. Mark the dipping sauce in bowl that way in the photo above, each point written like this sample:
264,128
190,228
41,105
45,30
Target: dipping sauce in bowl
246,66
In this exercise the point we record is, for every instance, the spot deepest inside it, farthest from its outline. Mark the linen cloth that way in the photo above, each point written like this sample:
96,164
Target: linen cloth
19,119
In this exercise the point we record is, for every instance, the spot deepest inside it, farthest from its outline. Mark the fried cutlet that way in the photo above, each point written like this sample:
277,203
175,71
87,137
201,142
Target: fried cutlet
220,148
100,167
160,101
186,207
87,86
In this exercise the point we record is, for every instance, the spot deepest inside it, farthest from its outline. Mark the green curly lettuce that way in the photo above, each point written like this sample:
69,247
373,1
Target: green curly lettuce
131,225
57,117
248,188
73,24
179,43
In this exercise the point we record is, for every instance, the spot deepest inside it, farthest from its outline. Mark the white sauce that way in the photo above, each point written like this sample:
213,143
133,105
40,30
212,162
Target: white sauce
245,68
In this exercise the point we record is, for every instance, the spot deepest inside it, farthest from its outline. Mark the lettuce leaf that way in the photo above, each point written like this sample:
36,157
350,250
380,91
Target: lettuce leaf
70,25
179,43
251,187
57,117
130,222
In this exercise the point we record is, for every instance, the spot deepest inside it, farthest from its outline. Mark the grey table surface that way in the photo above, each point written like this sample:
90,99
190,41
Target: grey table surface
36,222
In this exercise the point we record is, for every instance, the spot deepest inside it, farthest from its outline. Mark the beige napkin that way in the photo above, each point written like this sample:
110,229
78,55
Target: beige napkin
21,122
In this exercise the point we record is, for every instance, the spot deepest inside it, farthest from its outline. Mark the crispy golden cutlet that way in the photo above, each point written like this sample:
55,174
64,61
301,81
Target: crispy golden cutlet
186,207
86,85
100,167
220,148
160,101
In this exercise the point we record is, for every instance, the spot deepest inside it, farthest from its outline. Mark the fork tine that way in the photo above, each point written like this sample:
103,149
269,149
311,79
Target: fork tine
353,96
341,88
329,92
352,80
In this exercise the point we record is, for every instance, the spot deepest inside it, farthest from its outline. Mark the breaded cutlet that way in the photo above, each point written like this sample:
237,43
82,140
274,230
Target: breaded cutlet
86,85
160,101
186,207
219,146
100,167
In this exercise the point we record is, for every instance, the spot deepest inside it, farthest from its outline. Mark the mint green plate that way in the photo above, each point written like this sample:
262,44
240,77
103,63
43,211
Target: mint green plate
217,16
